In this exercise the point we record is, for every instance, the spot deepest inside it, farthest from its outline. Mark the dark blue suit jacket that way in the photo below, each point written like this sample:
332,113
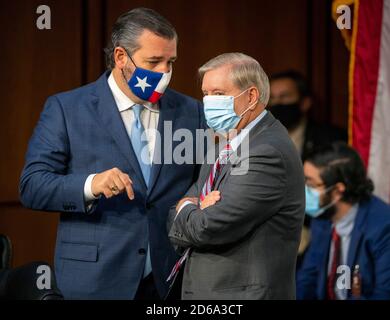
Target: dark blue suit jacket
369,248
101,254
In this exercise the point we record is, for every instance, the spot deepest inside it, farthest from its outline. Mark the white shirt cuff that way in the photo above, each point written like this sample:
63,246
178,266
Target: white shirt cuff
88,195
187,202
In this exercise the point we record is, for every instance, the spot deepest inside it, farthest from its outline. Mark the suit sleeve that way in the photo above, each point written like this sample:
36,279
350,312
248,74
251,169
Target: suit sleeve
380,248
247,200
192,192
307,275
45,183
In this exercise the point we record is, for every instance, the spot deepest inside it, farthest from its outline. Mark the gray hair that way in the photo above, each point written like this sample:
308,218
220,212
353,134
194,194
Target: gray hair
245,72
130,25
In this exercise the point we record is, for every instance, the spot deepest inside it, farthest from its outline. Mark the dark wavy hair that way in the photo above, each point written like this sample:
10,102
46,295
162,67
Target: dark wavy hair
338,162
130,25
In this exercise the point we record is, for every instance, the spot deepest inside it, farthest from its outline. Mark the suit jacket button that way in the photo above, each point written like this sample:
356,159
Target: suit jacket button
142,251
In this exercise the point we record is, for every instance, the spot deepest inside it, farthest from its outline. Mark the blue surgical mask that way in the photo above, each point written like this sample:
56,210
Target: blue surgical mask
313,208
220,114
148,85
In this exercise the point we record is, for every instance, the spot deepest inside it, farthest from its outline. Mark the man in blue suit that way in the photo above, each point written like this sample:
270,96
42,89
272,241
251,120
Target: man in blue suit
349,255
99,155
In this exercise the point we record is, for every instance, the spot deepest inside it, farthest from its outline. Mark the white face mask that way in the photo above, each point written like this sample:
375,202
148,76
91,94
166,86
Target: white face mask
220,114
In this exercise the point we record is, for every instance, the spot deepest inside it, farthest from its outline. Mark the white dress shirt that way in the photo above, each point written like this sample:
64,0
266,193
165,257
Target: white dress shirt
149,119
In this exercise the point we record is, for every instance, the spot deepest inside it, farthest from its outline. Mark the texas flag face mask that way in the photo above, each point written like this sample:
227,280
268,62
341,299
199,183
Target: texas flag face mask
148,85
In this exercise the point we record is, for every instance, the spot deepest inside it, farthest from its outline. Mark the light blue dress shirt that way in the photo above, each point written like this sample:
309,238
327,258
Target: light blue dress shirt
344,229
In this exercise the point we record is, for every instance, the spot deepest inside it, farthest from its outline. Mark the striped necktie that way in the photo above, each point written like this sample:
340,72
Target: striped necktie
215,171
332,277
207,188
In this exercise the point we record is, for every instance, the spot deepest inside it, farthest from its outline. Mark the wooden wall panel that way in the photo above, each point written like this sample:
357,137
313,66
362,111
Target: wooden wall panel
272,31
93,30
338,79
327,65
32,233
34,64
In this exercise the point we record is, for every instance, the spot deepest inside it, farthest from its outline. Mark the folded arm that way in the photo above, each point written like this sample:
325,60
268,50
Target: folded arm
246,201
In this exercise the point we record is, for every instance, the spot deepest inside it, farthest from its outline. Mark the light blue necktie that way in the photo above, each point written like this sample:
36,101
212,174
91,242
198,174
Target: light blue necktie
140,146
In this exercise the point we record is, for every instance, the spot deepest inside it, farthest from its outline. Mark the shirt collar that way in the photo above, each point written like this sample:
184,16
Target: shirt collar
123,102
236,141
344,227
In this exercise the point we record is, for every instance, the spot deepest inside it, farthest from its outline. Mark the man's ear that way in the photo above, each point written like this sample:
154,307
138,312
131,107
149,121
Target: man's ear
339,189
306,104
254,95
120,57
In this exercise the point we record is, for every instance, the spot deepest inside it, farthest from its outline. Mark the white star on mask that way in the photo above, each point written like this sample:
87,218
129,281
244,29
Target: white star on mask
142,83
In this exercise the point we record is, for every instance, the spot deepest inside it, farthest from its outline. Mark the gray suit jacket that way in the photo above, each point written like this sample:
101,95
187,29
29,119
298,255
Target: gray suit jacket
245,246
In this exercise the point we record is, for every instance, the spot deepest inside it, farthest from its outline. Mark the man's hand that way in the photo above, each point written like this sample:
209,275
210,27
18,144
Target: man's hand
193,200
111,183
211,199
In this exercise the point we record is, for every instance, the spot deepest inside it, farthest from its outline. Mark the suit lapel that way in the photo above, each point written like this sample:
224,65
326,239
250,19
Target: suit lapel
206,168
108,113
234,158
203,176
356,236
323,276
166,114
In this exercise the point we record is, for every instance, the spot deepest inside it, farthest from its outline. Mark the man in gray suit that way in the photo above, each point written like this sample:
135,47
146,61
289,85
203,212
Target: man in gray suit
239,225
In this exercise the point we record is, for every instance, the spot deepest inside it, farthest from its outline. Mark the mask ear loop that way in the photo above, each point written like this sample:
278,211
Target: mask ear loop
240,94
128,54
131,59
247,109
332,203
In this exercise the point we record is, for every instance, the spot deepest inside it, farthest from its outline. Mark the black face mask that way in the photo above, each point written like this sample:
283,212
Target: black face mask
288,114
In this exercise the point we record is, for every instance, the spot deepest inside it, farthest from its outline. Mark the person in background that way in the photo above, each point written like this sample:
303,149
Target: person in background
290,102
349,255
